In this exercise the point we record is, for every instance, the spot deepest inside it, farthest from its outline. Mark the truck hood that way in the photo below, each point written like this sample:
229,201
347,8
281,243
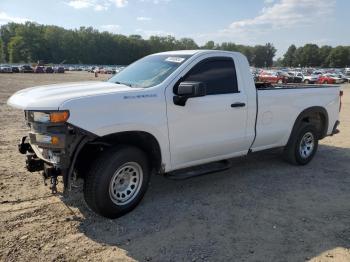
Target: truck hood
50,97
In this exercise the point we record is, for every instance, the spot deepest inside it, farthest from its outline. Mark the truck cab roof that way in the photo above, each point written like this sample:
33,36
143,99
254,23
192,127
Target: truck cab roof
194,52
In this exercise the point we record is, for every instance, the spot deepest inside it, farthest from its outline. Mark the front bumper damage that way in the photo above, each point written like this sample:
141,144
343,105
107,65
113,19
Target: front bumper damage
57,159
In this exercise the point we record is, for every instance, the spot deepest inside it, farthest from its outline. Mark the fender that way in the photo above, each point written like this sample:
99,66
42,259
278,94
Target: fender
162,140
307,112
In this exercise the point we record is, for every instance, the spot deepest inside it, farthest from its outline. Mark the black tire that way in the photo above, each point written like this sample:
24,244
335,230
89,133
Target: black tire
292,152
97,183
306,81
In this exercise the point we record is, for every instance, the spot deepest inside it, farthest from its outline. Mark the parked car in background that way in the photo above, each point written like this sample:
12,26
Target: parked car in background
26,69
58,69
107,70
118,69
5,69
310,79
15,69
345,78
272,77
318,72
347,71
329,79
39,69
294,77
91,69
49,69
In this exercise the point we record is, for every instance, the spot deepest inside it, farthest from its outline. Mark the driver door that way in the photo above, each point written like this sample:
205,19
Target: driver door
209,127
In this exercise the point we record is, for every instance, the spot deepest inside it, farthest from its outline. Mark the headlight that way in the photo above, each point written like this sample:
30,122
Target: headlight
50,117
45,139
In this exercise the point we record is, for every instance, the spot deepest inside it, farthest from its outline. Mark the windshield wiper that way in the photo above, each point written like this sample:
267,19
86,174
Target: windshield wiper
126,84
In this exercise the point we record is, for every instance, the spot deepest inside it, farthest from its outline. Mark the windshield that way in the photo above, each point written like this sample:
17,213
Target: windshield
149,71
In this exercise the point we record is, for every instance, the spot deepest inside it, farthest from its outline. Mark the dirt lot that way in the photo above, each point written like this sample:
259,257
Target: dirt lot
262,209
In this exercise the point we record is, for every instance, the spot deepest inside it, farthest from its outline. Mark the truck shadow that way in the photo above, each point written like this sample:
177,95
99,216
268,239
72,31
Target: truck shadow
261,209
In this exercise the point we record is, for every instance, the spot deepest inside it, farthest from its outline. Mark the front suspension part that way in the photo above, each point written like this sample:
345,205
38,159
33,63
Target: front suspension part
52,173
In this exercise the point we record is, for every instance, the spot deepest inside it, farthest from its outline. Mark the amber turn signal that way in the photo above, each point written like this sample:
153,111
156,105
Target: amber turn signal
59,117
55,140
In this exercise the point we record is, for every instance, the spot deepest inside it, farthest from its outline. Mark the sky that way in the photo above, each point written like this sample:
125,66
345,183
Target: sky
249,22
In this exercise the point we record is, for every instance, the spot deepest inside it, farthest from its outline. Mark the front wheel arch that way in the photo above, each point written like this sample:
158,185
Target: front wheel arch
142,140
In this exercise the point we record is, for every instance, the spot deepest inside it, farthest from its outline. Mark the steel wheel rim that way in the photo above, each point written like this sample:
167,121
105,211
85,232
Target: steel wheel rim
307,144
126,183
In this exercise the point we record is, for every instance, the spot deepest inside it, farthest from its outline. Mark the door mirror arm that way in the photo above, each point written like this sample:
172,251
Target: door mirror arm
186,90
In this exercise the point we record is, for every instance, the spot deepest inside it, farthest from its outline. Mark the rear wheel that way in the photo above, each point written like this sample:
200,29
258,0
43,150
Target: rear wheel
117,181
325,82
306,81
302,147
280,81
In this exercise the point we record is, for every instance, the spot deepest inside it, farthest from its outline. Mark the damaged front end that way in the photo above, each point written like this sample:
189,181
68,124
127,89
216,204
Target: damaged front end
52,145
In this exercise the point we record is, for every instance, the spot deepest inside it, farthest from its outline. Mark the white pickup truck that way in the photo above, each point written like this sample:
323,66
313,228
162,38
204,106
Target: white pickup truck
163,114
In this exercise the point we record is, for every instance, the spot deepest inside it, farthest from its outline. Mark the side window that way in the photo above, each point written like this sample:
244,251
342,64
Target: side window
218,74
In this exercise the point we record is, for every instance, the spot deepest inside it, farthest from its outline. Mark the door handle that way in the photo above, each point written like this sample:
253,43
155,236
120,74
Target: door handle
238,104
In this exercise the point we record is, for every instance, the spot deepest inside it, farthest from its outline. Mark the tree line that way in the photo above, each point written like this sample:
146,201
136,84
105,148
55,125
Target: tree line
311,55
31,42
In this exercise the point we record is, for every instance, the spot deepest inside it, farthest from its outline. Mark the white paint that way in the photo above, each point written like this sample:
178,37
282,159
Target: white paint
206,129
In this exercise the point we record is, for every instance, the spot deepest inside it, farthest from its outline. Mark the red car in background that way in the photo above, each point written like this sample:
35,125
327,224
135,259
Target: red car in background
272,77
329,79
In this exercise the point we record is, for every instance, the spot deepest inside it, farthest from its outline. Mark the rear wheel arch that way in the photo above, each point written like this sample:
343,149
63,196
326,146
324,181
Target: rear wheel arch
315,115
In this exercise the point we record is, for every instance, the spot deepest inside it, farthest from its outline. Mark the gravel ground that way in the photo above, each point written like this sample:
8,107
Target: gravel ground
262,209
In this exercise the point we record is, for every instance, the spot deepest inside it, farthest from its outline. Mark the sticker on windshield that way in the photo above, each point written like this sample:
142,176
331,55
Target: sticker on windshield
175,59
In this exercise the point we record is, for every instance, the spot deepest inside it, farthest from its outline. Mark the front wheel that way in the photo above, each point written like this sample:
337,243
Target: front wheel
302,147
117,181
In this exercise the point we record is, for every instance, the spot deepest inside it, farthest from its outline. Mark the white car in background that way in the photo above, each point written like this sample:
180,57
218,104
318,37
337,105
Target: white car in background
309,79
5,69
345,78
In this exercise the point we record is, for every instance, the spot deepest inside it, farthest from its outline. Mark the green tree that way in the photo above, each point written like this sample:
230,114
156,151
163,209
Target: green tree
1,52
310,55
263,55
289,56
209,45
7,31
187,43
324,55
18,51
339,57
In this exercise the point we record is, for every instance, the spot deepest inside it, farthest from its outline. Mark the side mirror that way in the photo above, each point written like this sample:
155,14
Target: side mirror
186,90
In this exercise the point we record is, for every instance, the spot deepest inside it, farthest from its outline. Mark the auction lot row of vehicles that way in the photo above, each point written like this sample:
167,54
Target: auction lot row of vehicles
30,69
5,68
101,69
324,76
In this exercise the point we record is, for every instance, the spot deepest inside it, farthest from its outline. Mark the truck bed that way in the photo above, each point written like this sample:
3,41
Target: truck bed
269,86
279,106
